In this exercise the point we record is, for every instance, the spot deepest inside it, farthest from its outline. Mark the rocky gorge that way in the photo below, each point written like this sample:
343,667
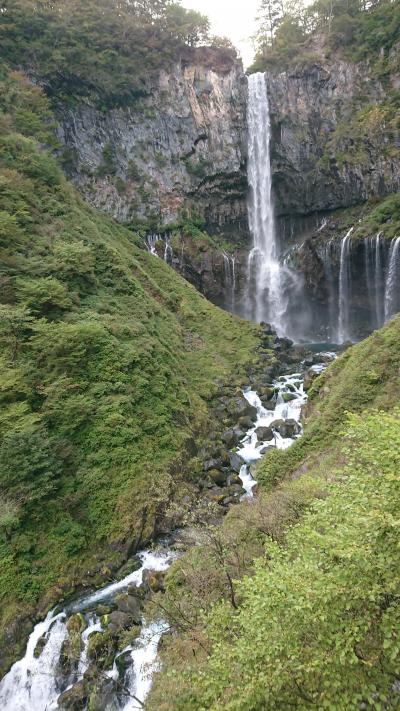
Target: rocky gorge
177,157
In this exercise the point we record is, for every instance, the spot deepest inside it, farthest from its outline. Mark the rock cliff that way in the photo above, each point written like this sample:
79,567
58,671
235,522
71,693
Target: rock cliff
180,147
334,140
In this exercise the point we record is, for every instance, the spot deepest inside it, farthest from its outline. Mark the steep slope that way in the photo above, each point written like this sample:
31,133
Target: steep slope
314,563
107,361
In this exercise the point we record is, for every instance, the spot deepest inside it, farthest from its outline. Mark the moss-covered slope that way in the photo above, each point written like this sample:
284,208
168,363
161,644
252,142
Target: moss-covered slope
311,618
107,360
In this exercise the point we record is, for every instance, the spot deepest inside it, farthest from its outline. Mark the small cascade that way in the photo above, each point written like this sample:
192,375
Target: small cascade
168,253
150,244
375,278
230,280
345,289
328,258
392,296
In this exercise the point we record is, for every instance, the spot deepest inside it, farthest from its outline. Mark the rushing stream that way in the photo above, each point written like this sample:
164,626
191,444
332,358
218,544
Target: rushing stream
35,682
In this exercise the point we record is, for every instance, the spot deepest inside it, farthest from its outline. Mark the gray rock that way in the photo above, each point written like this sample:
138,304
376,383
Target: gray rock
264,434
131,606
119,621
286,428
236,461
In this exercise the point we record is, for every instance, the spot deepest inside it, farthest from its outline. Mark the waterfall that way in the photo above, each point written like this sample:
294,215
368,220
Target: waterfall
264,300
230,280
345,289
328,255
392,296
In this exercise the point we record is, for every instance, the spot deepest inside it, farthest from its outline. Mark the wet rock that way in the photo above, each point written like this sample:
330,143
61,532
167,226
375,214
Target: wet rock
264,434
40,645
210,464
74,699
268,404
230,438
267,448
154,580
236,461
286,428
234,479
288,397
118,621
245,422
123,662
239,407
266,392
130,566
131,606
218,477
309,378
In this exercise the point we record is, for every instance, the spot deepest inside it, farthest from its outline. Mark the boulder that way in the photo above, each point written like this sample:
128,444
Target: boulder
245,422
286,428
239,407
264,434
287,397
75,698
230,438
118,621
154,580
236,461
131,606
234,479
218,477
267,448
267,392
268,404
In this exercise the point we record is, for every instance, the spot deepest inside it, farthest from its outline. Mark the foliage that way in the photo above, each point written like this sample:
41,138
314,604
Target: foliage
313,562
102,49
317,623
289,32
101,387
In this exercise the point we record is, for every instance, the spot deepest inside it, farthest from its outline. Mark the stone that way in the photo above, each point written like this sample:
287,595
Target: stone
288,397
154,580
239,407
118,621
74,699
131,606
236,461
230,438
286,428
218,476
268,404
264,434
245,422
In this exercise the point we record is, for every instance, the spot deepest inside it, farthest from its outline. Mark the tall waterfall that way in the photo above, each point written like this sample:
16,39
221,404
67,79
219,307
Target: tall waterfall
264,298
345,289
392,297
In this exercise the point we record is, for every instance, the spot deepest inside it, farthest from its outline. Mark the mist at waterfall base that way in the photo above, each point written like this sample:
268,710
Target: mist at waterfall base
361,284
273,291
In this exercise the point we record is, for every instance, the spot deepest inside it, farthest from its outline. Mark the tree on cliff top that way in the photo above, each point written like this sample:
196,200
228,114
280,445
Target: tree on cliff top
102,49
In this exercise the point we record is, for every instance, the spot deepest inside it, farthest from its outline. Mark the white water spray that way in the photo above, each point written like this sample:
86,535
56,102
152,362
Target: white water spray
345,289
264,299
392,299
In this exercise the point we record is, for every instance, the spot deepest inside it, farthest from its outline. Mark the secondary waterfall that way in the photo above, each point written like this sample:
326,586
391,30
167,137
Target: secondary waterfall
264,298
362,284
392,297
344,290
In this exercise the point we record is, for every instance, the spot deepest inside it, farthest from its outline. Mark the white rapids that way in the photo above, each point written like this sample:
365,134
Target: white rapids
35,682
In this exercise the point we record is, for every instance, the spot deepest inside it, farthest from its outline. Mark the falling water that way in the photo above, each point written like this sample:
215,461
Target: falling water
230,280
392,297
345,289
328,256
264,274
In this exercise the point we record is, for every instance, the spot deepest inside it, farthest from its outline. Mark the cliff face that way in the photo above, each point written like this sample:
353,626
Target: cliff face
180,146
333,142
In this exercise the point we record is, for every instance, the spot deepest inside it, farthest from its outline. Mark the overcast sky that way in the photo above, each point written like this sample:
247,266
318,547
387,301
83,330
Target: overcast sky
231,18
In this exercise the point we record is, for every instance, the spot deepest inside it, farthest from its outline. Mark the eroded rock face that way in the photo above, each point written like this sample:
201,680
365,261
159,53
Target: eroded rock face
181,145
315,165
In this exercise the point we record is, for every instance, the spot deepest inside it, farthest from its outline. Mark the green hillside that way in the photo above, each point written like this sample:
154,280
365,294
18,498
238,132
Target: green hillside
314,563
107,360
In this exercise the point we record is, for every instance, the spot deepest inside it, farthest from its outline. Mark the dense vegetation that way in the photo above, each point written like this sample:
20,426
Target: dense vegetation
107,359
314,564
291,32
103,49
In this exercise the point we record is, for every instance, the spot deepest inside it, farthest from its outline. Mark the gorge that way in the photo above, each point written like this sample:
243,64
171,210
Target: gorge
199,358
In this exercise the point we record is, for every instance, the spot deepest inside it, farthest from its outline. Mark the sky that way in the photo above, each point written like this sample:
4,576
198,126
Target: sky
231,18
